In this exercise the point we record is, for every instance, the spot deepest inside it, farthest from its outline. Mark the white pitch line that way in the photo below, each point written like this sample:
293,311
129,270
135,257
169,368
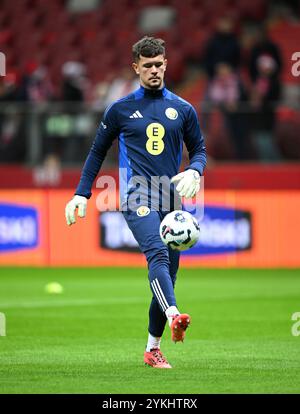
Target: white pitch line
65,303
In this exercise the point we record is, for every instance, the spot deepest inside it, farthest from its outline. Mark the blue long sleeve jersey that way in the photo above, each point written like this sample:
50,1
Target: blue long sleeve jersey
151,126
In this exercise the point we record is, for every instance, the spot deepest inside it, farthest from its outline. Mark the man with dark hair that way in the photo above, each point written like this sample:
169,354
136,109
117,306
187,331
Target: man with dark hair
148,47
151,124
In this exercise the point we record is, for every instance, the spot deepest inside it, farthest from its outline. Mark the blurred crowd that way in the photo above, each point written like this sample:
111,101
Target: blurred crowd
247,95
243,84
67,116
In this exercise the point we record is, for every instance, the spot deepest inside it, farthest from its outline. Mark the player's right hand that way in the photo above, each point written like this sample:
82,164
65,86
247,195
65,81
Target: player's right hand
79,202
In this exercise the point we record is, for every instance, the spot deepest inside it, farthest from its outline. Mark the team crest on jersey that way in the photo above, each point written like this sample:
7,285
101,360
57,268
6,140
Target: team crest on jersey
143,211
171,113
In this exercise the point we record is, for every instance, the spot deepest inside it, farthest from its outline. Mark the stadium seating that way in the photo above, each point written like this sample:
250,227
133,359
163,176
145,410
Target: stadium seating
286,36
39,31
28,28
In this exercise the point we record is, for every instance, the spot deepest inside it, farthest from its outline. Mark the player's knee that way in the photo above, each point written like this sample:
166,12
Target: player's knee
158,256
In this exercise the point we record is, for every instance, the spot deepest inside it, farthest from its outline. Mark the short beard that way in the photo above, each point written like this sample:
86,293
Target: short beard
154,87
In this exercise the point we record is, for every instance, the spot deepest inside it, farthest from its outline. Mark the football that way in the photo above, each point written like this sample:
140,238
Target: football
179,230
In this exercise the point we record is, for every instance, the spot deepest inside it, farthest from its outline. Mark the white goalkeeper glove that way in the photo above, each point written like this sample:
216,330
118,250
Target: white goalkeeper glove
79,202
188,183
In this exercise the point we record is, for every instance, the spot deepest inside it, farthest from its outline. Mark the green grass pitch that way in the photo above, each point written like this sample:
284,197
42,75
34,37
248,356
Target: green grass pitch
91,338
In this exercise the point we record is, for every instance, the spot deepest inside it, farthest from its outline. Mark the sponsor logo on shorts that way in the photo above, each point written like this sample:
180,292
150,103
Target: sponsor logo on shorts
143,211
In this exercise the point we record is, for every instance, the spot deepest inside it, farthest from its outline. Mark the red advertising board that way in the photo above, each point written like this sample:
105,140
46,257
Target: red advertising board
240,229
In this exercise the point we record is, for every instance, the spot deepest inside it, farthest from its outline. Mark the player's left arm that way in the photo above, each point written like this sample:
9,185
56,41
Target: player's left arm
188,182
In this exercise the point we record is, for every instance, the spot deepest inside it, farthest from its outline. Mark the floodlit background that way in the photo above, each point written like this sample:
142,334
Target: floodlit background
62,62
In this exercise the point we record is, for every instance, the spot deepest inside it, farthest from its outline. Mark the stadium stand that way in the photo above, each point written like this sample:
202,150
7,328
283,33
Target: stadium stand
38,32
51,32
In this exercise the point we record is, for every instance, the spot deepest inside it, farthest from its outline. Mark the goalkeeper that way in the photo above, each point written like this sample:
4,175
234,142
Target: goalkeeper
151,124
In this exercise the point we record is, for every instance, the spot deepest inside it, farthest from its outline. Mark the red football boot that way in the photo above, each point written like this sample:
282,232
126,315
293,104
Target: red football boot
155,359
179,325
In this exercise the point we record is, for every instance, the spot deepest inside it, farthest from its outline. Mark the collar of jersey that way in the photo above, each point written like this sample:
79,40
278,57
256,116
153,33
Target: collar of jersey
150,93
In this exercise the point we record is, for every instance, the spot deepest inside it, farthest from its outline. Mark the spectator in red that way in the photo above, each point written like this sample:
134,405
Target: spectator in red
36,85
227,93
263,45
